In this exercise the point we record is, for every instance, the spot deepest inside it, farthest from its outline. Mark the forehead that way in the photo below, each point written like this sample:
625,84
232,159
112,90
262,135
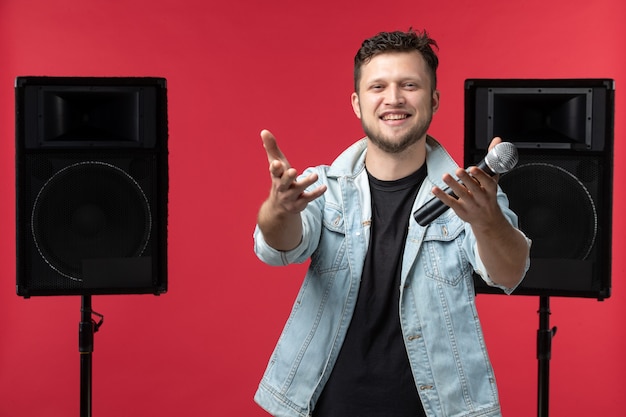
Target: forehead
394,65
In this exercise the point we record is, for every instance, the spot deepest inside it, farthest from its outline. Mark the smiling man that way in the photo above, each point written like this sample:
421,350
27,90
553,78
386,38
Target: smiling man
385,323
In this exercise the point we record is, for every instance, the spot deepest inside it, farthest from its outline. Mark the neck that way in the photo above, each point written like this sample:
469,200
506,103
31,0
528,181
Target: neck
388,167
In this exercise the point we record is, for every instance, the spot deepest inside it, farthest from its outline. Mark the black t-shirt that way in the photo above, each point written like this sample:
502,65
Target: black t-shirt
372,376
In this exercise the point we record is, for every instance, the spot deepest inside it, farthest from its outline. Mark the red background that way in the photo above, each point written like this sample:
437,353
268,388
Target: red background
234,68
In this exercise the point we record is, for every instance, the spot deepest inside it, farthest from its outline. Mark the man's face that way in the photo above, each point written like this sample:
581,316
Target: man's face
395,101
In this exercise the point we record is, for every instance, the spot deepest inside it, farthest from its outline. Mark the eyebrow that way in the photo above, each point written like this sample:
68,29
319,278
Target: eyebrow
379,80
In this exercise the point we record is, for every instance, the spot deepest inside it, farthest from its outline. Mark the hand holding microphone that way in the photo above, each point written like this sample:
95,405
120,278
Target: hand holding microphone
500,159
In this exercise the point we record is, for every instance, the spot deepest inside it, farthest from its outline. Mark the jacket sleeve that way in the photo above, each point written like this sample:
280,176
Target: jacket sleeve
471,245
311,232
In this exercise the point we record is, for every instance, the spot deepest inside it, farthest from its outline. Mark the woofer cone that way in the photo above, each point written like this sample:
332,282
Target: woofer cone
89,210
555,210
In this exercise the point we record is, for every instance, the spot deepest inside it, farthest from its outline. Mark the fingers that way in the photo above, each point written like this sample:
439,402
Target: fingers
283,176
307,197
473,181
457,188
289,182
475,193
291,195
476,177
278,169
272,149
494,142
286,178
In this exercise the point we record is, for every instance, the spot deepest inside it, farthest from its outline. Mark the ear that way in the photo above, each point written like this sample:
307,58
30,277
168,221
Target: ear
435,101
356,108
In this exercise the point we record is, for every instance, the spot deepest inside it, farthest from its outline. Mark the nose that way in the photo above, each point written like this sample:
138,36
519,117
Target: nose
395,96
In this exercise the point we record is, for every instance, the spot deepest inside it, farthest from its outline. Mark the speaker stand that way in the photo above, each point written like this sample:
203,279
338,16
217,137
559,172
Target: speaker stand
544,353
86,329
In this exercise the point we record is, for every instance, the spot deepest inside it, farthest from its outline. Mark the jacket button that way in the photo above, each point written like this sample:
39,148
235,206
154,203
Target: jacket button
426,387
414,337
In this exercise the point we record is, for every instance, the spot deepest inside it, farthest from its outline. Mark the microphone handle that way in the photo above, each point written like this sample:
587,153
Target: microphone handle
435,207
431,210
483,165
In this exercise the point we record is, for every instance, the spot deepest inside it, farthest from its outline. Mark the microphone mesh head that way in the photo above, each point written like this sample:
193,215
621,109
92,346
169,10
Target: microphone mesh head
502,158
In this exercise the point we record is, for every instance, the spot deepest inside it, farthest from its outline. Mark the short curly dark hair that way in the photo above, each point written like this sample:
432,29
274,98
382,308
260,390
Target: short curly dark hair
397,41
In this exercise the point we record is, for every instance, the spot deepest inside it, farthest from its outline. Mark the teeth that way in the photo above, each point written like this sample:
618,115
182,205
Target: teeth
395,117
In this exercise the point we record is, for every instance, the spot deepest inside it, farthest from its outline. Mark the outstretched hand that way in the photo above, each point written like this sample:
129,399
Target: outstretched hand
477,195
279,216
287,193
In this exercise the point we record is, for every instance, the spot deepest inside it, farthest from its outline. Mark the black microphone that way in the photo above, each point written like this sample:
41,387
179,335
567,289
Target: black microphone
502,158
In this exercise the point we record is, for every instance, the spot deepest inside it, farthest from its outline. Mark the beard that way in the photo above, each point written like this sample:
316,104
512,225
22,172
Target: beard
402,143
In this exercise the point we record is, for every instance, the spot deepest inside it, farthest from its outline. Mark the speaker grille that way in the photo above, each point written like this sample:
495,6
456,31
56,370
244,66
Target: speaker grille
555,209
89,210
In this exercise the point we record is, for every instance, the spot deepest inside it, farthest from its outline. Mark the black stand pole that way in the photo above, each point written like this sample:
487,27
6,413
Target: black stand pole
544,353
86,330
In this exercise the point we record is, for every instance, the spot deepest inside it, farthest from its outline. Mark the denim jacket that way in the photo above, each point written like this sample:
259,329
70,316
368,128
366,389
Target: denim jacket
439,321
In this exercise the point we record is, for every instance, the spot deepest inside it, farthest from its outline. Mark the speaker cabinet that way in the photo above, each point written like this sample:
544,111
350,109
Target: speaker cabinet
562,186
91,185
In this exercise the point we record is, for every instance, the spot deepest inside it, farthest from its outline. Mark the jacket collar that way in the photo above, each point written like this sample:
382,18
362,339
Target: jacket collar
351,162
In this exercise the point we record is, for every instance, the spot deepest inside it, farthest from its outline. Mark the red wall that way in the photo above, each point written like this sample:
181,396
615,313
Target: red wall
234,68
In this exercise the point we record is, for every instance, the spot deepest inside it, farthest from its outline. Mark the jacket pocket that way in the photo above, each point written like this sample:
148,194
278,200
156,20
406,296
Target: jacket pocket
330,256
443,257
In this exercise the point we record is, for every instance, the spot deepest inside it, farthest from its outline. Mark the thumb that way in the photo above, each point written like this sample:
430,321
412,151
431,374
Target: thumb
494,142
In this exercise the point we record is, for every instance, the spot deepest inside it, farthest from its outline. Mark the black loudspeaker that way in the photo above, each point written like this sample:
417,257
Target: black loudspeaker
562,186
91,185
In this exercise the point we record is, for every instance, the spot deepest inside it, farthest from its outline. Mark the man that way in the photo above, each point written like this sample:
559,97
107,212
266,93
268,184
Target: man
385,322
